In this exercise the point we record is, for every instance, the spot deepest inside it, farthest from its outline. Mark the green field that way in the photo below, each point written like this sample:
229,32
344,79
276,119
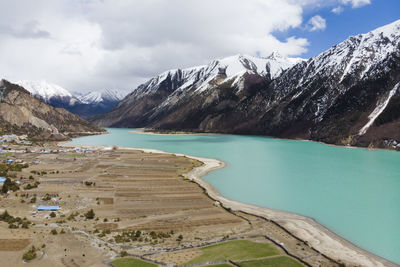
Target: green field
131,262
281,261
235,250
221,265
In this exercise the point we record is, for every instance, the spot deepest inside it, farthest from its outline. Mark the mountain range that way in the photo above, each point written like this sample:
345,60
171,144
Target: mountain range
82,104
21,113
347,95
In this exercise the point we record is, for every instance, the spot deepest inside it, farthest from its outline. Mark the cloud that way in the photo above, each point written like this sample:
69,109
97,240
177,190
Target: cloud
356,3
316,23
97,44
29,30
337,10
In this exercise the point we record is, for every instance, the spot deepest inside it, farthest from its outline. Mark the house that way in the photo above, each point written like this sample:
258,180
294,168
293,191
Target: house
48,208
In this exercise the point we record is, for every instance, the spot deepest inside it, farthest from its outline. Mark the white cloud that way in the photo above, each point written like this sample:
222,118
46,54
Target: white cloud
337,10
316,23
97,44
356,3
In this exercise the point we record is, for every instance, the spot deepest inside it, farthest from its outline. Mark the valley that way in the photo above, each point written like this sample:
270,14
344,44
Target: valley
142,203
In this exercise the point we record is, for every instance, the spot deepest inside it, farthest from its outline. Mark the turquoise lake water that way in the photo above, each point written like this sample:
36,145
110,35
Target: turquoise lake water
354,192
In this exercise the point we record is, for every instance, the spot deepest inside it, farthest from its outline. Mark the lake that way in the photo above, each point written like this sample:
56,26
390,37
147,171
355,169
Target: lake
354,192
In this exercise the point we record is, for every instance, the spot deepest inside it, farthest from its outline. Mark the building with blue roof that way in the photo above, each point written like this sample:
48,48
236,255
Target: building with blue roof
48,208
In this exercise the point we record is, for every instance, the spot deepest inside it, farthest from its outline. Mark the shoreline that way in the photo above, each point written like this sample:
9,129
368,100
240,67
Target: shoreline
272,137
304,228
176,133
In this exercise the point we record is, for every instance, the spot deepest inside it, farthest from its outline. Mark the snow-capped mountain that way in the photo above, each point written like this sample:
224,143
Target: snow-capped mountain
173,85
84,105
96,97
234,67
48,92
348,95
22,113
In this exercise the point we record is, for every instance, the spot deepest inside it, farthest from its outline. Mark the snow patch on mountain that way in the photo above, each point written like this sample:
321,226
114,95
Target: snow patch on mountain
378,110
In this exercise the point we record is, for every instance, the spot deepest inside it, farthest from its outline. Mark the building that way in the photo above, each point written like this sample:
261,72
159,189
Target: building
48,208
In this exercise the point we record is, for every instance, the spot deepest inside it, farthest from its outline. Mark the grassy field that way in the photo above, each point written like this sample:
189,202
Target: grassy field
235,250
221,265
130,262
281,261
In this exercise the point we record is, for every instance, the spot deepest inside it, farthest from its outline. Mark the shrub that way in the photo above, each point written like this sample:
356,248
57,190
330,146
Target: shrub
52,214
90,214
53,231
180,237
124,253
46,197
30,254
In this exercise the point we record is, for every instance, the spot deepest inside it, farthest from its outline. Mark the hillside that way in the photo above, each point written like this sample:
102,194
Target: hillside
347,95
84,105
21,113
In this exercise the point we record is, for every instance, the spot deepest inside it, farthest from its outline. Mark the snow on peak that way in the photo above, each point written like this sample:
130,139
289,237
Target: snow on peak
200,77
391,30
91,97
359,53
44,89
274,64
96,97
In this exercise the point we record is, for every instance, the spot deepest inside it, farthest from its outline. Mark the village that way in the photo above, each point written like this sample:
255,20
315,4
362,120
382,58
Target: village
86,206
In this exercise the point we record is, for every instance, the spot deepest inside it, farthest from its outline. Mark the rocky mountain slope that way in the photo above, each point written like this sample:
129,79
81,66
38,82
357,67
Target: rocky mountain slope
84,105
348,95
95,102
149,101
21,113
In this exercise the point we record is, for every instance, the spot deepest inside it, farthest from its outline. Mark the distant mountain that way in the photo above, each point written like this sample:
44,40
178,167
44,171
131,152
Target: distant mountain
348,95
84,105
108,96
21,113
50,93
93,103
150,100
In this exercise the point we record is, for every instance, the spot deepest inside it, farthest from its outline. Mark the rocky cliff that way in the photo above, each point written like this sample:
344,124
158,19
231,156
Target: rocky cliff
21,113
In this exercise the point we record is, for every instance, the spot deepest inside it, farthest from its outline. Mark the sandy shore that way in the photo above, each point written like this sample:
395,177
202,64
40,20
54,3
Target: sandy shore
305,228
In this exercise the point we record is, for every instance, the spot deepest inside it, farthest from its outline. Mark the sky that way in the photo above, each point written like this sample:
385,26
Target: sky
92,45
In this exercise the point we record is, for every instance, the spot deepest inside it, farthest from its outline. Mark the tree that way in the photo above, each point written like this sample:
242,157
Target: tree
9,185
52,214
90,214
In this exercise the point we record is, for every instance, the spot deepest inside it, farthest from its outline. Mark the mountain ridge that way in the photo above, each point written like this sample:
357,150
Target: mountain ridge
330,97
22,113
84,105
